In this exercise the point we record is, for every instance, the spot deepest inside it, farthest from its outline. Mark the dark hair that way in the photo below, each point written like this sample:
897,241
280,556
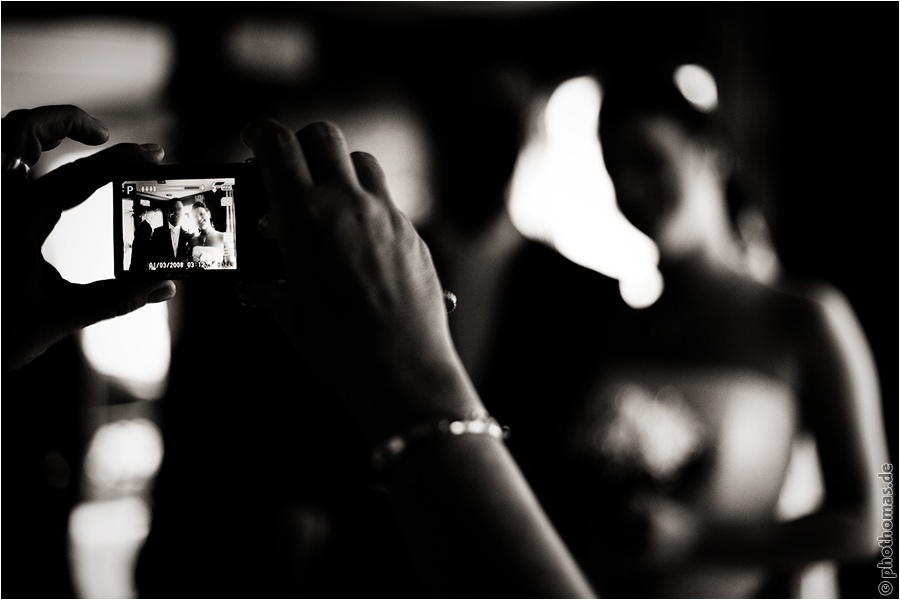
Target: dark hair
199,204
654,91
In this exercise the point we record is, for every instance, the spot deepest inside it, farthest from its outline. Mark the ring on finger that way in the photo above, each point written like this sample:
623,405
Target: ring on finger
13,165
449,301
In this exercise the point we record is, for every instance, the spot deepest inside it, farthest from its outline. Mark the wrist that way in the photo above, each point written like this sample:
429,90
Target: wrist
396,448
421,394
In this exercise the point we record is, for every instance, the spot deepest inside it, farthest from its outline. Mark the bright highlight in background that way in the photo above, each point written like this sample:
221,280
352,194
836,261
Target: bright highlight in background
698,86
124,455
92,63
105,538
134,349
561,193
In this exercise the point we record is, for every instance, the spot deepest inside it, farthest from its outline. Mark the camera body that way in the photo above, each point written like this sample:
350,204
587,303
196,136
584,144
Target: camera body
183,221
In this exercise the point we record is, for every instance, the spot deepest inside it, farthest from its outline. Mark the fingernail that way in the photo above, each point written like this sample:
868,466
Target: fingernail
100,125
161,294
151,147
248,135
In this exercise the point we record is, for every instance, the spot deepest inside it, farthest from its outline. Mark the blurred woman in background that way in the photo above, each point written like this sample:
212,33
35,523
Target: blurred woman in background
681,452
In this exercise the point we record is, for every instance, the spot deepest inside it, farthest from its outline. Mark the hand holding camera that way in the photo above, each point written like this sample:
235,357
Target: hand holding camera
360,288
360,300
361,294
40,306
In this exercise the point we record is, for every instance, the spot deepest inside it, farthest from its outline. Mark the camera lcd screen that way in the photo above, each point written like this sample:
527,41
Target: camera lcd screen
178,226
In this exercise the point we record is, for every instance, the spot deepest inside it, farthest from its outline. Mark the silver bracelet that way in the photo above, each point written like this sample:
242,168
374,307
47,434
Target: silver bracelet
388,452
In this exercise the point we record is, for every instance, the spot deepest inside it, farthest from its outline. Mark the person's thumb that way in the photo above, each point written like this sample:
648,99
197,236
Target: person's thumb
101,300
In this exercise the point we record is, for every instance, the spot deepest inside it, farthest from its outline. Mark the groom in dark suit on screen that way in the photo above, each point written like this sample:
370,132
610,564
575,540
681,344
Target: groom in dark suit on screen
171,243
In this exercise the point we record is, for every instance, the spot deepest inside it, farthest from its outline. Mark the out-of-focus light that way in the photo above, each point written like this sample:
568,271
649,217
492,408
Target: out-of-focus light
124,455
698,86
276,50
574,104
105,538
561,193
81,244
135,349
391,132
641,289
558,179
92,63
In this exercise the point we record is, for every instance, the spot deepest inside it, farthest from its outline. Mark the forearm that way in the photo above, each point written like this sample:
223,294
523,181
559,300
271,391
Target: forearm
474,525
363,305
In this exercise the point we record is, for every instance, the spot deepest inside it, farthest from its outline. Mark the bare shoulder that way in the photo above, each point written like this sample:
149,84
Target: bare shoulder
805,315
787,306
816,303
828,330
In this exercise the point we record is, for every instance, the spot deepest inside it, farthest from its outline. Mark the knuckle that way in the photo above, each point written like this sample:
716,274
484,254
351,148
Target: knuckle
325,129
280,138
16,116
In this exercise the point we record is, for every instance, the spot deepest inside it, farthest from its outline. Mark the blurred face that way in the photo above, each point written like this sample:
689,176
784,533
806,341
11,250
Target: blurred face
661,176
176,209
201,216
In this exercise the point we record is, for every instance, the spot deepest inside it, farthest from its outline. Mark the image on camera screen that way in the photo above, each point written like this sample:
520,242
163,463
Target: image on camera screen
178,225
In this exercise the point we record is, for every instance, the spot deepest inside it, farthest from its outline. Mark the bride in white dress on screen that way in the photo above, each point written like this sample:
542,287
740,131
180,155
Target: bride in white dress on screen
208,245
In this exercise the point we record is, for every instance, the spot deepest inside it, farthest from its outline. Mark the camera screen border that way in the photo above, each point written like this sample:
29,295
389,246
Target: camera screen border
253,255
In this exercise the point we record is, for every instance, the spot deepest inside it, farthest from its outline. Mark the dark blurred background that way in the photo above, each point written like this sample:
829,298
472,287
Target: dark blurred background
809,94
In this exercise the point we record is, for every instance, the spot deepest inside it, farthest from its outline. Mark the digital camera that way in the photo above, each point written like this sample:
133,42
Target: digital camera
183,221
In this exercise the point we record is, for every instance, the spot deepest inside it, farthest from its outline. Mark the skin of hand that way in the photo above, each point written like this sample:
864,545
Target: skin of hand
363,305
42,307
361,292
